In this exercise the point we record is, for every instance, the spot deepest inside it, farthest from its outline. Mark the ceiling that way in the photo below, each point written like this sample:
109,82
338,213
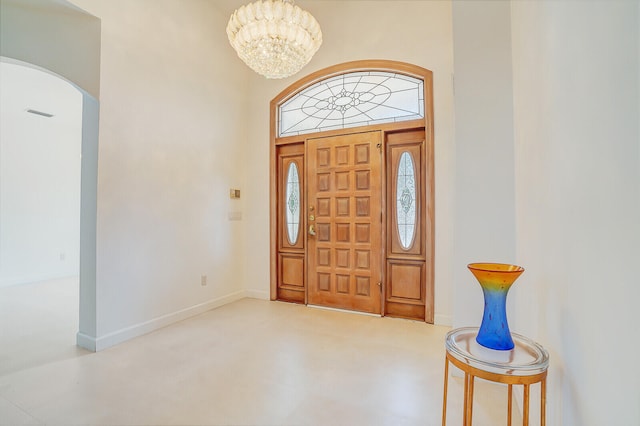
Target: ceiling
58,5
227,7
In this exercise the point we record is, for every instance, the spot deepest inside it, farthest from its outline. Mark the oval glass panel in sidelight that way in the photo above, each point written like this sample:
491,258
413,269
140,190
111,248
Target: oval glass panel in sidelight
293,203
406,209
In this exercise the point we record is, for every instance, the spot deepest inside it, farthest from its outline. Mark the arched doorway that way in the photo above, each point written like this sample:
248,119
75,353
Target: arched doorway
46,215
60,38
352,197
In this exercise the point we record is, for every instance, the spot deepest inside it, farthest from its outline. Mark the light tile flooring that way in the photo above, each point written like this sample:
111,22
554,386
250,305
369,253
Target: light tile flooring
251,362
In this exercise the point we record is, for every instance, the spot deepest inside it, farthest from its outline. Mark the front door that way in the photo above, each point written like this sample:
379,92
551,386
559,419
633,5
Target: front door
352,190
344,213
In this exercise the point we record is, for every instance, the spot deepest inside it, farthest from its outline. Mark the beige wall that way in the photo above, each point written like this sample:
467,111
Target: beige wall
172,143
576,69
182,120
484,224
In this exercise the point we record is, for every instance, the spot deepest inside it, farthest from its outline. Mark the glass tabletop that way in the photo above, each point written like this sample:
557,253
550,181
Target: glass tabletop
527,358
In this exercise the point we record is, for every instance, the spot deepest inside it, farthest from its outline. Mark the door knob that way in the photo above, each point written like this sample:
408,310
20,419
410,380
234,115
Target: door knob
312,230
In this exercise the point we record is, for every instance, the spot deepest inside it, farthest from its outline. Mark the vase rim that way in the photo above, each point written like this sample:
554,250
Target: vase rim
495,267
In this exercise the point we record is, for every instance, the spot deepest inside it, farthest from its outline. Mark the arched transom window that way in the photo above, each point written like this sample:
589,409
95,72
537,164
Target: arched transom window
352,99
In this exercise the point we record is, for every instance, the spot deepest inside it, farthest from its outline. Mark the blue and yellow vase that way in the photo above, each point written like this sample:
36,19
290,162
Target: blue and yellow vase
495,280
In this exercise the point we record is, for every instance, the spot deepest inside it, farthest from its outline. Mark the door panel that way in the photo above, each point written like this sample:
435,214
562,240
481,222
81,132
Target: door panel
406,291
344,216
291,251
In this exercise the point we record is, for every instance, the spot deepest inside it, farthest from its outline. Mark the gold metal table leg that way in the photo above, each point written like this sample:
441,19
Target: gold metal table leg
510,405
525,411
471,381
543,402
466,398
444,397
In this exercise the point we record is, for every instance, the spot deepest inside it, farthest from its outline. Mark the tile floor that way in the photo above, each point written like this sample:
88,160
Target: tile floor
251,362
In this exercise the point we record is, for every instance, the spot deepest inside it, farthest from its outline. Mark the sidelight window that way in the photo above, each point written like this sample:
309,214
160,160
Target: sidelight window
293,203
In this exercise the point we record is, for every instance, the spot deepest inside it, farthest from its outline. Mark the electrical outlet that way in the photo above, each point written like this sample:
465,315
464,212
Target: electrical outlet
203,280
63,256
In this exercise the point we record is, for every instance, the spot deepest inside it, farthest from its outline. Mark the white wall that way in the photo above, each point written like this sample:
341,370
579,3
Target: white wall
484,227
416,32
576,97
39,176
172,132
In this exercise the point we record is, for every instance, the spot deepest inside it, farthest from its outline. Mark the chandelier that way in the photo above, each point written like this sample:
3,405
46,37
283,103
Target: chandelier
275,38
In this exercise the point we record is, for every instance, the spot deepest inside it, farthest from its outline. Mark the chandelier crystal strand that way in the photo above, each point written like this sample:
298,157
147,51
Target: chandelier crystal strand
275,38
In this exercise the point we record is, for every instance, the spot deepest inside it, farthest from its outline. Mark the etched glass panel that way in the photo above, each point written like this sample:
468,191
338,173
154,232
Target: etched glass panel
353,99
406,200
293,203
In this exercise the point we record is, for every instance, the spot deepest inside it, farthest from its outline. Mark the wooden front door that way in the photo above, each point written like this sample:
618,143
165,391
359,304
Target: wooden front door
344,216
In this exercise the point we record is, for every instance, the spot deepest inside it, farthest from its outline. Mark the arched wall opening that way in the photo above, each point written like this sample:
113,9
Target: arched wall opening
28,257
57,37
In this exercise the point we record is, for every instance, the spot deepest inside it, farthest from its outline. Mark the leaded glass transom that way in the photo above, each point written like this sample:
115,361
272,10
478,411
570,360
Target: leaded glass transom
406,200
353,99
293,203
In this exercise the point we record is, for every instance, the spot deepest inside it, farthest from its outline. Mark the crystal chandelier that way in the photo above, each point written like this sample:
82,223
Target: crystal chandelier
275,38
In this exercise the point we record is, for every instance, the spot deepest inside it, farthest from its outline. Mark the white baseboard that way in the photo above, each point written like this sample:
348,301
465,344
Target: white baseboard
119,336
86,341
34,278
440,319
257,294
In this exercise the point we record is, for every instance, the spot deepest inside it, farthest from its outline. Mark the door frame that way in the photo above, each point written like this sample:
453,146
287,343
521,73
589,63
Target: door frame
425,124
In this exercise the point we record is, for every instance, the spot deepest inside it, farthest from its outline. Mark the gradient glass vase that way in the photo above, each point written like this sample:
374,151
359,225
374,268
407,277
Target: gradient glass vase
496,280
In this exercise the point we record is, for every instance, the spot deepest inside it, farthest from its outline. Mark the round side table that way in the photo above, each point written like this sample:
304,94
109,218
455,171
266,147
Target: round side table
525,364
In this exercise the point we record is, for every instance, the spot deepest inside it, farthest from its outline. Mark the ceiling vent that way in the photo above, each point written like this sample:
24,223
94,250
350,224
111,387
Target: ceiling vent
36,112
